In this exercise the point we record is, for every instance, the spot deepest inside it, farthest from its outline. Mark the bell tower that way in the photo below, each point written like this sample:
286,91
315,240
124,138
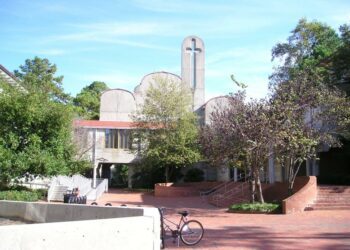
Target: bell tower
192,68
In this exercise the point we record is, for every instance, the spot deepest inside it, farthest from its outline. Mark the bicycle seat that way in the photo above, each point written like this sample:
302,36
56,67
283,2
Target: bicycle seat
183,213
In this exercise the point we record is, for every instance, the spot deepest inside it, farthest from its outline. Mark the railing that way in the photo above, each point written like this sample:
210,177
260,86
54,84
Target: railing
232,189
83,183
224,186
32,182
235,194
34,185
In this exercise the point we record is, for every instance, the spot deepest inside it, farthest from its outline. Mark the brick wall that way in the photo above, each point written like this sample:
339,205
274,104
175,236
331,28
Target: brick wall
183,189
306,194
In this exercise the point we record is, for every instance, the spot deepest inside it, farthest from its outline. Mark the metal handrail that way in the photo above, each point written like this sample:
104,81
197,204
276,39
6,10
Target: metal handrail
231,193
225,184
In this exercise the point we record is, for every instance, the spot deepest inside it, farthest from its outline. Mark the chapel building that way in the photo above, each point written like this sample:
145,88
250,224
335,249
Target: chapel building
106,142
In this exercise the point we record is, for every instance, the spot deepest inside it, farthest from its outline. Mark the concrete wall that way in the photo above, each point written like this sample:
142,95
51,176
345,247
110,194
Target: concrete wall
79,226
117,105
216,103
151,79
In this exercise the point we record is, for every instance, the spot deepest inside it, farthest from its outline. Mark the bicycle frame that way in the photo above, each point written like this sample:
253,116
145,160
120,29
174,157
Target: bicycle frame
175,233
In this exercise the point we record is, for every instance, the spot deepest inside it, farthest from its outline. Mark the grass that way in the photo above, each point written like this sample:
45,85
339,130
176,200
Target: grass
255,207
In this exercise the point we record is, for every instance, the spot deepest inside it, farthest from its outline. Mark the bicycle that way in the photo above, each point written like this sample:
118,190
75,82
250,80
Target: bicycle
189,231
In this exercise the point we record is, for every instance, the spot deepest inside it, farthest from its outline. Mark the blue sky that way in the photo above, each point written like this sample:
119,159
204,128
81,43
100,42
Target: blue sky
118,42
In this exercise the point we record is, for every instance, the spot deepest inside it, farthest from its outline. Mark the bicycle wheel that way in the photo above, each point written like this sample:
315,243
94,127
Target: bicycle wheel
191,232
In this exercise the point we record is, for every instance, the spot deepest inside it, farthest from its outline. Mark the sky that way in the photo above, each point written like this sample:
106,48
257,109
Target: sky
119,42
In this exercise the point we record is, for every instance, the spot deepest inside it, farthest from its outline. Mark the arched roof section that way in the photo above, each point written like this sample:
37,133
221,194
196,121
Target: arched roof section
117,105
118,89
141,89
213,104
146,79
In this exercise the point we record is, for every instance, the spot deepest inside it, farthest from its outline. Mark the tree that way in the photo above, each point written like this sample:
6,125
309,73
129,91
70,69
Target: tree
166,126
87,102
341,59
313,66
240,134
307,116
36,130
311,45
38,76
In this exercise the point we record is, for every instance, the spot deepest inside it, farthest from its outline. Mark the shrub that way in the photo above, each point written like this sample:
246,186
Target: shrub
194,175
15,195
146,177
42,193
120,177
255,207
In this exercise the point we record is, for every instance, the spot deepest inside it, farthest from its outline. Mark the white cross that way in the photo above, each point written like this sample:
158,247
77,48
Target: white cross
193,51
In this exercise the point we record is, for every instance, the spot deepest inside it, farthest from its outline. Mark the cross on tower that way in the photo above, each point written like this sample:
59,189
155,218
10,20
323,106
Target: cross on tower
193,51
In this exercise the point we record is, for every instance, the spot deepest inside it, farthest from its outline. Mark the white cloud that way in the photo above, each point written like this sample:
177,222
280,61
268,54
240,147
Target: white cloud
114,33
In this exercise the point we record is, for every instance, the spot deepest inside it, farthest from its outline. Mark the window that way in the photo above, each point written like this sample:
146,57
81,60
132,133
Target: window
117,138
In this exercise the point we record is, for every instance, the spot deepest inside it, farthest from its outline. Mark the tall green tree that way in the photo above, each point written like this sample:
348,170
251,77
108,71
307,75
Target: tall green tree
38,76
87,102
341,59
35,127
307,116
167,128
311,45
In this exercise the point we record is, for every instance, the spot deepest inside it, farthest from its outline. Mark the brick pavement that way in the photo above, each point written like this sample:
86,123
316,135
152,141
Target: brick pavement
308,230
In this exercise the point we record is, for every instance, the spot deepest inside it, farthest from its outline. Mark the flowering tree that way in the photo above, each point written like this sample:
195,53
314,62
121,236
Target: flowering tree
239,135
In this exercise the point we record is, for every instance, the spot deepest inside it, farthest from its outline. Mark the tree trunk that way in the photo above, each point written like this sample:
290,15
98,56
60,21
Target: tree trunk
292,179
166,174
290,188
252,189
258,186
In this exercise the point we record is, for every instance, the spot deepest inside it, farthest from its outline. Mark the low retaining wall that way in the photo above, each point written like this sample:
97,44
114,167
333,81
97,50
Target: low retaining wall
79,226
302,198
183,189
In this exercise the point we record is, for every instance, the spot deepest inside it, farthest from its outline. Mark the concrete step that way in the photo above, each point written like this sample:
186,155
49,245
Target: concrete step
333,199
332,204
333,193
329,208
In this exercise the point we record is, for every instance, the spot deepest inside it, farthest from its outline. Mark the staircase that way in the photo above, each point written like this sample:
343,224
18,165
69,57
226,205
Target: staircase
227,193
332,198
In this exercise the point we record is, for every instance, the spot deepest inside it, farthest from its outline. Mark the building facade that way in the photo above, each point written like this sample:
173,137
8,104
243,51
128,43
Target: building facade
107,144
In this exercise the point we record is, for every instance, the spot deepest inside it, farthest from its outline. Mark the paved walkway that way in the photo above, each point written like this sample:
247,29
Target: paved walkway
308,230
